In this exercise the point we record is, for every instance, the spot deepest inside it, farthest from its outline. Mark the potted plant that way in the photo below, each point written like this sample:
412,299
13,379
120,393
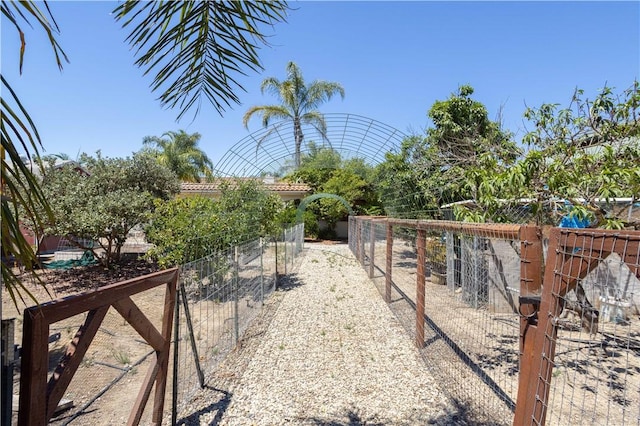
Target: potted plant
437,260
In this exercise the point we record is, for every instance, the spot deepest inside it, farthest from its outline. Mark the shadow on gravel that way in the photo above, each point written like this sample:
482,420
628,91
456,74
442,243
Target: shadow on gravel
353,420
462,416
289,282
220,407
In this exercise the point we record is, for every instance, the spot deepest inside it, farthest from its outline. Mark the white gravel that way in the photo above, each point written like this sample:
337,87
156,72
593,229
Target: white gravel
330,353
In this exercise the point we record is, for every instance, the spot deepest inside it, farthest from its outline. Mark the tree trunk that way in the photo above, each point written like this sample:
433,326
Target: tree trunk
298,136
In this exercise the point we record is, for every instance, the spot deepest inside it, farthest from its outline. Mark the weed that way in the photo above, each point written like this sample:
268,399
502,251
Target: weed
281,347
121,356
332,288
87,362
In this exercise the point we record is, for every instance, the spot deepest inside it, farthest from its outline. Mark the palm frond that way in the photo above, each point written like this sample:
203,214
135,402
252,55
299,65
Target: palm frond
320,92
268,114
26,10
317,121
21,192
197,49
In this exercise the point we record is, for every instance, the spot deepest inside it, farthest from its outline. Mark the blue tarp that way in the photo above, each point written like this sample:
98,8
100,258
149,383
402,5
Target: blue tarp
571,221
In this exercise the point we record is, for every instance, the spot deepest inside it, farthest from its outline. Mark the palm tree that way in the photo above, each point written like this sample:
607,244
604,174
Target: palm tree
299,103
179,152
195,49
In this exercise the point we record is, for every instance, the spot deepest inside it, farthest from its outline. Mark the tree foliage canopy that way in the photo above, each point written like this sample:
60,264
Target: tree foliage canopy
185,229
96,212
324,170
179,152
450,163
587,153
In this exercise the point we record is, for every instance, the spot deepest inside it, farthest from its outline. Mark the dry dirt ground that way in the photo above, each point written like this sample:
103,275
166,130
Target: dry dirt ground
117,359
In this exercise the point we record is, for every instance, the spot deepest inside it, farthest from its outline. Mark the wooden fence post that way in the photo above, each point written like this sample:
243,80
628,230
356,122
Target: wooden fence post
389,263
531,265
372,248
34,362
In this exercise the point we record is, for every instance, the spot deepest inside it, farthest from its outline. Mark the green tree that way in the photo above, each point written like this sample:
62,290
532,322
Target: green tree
186,229
356,191
465,144
96,212
196,50
299,103
324,170
587,153
183,229
451,163
179,152
316,166
407,190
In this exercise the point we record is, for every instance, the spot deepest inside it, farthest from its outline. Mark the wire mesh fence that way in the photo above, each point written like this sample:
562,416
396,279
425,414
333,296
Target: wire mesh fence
505,347
465,315
119,345
220,295
93,358
113,369
587,365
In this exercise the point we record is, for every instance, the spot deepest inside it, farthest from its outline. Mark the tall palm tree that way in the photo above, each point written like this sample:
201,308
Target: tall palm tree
299,103
180,153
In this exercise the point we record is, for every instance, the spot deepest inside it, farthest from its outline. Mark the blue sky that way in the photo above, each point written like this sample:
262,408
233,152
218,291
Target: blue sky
394,60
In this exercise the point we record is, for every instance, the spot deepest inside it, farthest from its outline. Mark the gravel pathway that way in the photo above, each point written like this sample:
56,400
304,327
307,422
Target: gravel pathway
327,351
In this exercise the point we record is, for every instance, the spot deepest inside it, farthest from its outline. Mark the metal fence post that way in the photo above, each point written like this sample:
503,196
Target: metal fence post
372,248
361,242
389,263
236,279
8,357
420,287
284,238
261,273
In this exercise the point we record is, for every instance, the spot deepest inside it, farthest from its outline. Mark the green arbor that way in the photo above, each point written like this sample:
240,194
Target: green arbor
179,152
299,103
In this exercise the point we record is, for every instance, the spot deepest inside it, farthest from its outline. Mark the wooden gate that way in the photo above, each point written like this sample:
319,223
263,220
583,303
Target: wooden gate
40,395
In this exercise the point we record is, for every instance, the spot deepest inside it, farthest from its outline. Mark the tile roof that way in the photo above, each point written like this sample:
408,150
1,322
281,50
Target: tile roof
215,186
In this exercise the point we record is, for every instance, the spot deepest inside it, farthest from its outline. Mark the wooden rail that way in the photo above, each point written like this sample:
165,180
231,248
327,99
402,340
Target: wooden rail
39,396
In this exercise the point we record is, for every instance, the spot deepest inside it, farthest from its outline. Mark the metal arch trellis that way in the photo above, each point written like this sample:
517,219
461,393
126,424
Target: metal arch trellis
303,205
269,151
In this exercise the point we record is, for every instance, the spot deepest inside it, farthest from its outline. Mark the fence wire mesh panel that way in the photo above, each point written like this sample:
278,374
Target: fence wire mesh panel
589,344
86,357
111,373
221,295
469,330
